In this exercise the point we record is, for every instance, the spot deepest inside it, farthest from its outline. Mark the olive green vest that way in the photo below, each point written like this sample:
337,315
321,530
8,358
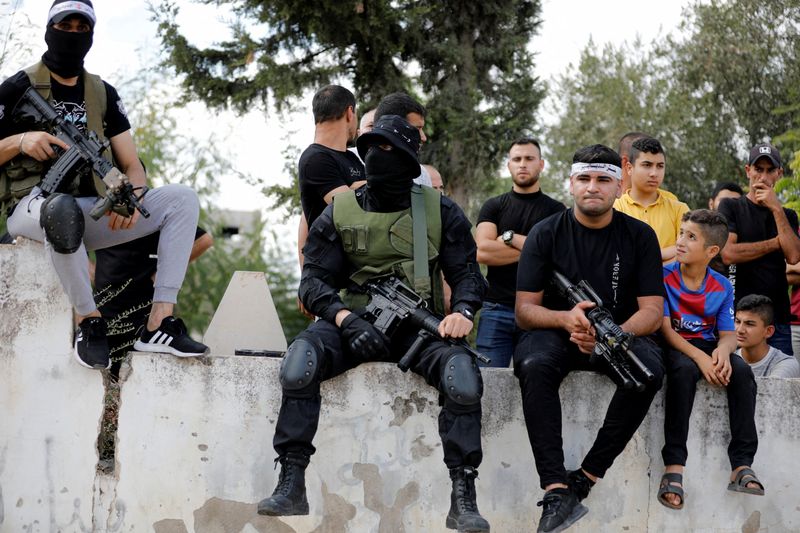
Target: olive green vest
382,244
22,173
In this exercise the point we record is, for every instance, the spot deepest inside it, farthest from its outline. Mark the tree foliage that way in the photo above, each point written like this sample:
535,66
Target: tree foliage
722,84
475,73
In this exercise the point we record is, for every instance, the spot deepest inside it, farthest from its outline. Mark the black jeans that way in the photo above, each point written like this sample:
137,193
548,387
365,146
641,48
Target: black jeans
682,377
459,425
542,360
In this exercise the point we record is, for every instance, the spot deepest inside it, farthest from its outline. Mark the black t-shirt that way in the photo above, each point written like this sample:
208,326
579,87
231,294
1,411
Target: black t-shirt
69,103
516,212
321,170
621,261
767,274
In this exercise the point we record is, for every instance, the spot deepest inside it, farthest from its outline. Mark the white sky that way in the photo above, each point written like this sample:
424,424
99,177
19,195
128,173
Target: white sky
125,38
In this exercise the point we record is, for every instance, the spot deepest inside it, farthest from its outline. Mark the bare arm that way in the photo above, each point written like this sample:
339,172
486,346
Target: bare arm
491,250
201,246
668,254
125,154
648,318
532,315
793,274
35,144
735,252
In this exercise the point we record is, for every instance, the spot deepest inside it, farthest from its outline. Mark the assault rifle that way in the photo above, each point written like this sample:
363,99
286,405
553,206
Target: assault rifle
85,153
613,344
392,303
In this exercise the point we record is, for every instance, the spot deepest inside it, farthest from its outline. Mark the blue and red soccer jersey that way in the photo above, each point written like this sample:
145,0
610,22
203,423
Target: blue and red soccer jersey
698,314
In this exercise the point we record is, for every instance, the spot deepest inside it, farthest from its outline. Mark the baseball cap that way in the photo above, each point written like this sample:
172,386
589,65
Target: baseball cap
393,130
62,9
765,150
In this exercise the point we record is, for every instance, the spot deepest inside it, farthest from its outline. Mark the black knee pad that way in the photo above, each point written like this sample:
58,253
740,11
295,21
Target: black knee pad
300,365
461,380
62,221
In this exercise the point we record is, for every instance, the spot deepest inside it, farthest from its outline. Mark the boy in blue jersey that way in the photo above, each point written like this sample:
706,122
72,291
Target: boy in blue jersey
700,334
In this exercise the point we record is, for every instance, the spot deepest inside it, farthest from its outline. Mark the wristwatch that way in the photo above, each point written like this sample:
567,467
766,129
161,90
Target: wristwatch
467,312
508,236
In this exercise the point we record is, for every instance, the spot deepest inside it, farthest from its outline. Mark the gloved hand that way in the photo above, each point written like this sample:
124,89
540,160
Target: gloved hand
363,339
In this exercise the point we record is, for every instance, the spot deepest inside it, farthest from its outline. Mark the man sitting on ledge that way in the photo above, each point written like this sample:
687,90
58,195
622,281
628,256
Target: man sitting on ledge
365,235
620,258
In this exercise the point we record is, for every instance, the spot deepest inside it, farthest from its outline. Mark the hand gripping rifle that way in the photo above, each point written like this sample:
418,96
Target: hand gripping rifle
392,303
613,344
84,152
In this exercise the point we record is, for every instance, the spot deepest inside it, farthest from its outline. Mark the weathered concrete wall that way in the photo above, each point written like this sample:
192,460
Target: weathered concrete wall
194,447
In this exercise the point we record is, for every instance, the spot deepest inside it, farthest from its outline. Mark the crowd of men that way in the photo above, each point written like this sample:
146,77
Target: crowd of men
689,294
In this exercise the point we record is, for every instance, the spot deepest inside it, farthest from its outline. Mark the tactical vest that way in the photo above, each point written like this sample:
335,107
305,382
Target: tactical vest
22,173
381,244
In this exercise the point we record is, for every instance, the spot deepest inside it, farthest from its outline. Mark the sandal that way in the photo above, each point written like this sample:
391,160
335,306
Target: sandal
667,487
743,477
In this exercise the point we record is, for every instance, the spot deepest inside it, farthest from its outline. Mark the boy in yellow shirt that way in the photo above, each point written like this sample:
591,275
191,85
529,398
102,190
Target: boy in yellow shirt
644,201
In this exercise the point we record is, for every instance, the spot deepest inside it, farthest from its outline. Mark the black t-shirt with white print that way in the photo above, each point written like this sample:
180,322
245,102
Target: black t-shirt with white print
621,261
69,103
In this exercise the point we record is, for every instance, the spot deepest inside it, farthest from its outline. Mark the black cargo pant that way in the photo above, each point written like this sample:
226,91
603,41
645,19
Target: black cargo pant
542,359
682,377
459,425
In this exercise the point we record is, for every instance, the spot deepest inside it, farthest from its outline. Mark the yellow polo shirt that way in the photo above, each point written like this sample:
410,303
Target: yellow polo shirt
664,216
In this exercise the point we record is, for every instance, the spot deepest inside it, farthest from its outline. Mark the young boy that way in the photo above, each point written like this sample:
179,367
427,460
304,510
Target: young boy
647,164
699,332
754,325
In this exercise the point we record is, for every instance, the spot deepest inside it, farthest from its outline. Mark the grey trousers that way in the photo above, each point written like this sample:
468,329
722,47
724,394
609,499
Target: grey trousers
174,210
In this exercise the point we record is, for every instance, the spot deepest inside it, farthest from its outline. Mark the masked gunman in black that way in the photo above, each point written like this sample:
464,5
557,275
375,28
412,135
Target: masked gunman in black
60,217
366,235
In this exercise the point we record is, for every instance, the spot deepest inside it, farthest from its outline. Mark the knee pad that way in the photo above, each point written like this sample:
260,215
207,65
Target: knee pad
461,380
61,219
300,365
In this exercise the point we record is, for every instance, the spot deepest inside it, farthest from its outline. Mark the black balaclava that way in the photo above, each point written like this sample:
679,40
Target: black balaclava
65,51
390,175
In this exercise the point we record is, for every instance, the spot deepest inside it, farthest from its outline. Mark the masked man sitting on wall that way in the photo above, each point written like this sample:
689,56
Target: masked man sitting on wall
367,235
61,219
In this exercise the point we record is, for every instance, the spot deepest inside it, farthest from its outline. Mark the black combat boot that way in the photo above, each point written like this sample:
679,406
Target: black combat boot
464,515
289,497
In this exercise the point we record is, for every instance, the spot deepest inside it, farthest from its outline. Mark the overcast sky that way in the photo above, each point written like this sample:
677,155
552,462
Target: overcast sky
125,38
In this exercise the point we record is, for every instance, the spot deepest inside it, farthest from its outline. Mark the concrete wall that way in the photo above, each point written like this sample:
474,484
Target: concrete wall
194,444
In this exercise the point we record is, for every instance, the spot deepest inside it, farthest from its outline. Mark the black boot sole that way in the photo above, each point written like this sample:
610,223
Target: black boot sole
452,523
297,510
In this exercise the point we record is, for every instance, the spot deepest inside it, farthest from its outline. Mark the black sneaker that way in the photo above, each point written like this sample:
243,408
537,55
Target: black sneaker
579,483
91,343
561,510
170,337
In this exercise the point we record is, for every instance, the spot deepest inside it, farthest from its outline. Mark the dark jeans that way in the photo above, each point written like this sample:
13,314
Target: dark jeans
459,425
542,360
782,339
497,334
682,377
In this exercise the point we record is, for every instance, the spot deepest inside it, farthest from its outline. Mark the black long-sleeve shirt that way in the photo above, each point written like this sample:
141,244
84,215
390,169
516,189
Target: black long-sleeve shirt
326,269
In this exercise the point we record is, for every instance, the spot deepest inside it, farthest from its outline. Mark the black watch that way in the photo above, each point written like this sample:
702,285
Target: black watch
508,236
467,312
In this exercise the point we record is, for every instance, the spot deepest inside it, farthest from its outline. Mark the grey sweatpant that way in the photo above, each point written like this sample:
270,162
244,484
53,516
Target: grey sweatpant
173,210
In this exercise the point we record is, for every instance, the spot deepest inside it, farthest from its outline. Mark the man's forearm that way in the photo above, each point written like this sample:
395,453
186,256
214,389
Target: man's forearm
787,237
742,252
532,316
643,322
496,253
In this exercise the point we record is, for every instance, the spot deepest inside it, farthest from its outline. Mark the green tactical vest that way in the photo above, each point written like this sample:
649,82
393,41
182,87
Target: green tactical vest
22,173
381,244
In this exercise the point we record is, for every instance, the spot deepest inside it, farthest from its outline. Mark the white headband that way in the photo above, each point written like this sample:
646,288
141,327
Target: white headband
78,7
611,170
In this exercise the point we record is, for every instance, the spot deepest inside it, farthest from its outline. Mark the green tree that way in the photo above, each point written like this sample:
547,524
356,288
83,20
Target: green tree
476,74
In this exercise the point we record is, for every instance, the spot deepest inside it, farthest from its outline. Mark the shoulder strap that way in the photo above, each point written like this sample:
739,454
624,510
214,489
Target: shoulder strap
39,75
422,279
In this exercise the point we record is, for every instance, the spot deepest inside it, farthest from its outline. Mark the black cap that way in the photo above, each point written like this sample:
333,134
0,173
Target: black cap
394,130
765,150
62,9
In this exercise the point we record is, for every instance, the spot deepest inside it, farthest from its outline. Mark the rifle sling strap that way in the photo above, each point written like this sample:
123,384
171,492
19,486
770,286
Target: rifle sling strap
422,280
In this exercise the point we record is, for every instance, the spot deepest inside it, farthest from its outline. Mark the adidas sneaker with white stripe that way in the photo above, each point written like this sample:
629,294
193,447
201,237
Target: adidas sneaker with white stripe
170,337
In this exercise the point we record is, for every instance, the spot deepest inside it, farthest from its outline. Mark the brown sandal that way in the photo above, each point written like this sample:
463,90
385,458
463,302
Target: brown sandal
743,477
668,486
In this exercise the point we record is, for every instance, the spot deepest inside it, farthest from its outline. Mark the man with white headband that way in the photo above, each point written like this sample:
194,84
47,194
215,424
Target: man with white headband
61,219
620,258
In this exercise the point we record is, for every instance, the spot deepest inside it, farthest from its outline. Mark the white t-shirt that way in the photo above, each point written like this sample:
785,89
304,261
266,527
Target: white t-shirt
775,364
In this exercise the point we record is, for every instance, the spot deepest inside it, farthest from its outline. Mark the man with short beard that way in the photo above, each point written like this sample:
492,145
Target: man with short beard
61,219
503,224
620,258
367,235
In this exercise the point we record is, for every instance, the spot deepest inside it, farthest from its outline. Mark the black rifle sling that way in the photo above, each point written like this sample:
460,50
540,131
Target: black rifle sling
422,278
